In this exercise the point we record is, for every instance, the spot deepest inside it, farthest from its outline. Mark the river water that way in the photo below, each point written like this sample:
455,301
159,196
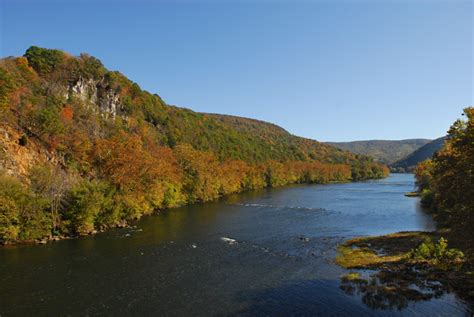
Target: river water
267,252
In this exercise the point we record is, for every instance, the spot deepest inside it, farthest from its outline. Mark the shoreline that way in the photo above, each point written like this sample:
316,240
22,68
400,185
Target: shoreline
126,224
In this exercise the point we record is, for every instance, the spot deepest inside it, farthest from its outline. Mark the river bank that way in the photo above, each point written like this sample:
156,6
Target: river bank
129,223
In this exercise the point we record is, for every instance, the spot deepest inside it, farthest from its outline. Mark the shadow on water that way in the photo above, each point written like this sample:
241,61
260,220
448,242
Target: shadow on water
299,298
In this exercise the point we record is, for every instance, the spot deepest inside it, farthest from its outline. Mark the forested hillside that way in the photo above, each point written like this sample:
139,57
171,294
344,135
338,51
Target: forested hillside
425,152
83,148
280,141
386,152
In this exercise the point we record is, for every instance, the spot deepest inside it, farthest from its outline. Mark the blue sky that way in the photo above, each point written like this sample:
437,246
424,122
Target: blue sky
329,70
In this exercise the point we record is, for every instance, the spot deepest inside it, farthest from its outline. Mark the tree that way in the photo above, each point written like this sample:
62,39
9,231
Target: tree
44,60
22,216
449,176
7,85
90,206
12,198
201,173
50,183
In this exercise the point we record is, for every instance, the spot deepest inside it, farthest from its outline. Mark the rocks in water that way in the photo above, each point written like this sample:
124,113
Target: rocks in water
304,239
229,240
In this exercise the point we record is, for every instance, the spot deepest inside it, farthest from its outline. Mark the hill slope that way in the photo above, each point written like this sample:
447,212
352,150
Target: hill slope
386,152
83,148
281,141
423,153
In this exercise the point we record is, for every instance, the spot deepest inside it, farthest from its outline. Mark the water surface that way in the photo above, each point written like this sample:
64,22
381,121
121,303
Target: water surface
177,263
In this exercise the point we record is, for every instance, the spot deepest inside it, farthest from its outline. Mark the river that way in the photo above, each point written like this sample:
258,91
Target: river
268,252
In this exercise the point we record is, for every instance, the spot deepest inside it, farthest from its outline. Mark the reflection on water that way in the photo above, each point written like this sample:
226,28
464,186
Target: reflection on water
394,289
183,261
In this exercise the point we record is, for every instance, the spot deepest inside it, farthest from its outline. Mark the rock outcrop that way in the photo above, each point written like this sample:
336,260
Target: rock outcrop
17,159
99,94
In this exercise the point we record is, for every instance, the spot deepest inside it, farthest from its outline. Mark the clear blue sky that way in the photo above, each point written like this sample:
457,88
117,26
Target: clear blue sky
329,70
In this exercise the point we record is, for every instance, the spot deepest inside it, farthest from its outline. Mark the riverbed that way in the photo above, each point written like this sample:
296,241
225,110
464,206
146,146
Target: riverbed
268,252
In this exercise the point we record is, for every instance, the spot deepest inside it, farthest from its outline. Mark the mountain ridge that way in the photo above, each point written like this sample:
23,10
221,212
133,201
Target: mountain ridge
384,151
425,152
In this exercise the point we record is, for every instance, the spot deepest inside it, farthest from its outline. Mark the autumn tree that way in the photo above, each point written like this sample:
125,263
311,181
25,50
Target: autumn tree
450,173
50,184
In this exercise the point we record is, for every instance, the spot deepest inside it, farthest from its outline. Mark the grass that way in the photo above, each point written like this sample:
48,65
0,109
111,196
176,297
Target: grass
352,276
354,258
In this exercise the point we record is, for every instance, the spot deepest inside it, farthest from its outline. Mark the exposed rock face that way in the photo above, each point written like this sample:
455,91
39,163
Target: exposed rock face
97,93
109,103
86,90
16,160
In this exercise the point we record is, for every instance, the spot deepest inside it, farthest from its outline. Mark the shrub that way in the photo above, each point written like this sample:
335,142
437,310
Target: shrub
436,252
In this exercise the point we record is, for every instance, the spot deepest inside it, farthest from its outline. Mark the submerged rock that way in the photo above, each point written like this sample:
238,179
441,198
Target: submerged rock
304,239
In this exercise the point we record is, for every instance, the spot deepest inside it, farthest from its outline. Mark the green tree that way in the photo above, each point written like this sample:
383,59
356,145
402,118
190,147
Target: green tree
90,206
44,60
12,198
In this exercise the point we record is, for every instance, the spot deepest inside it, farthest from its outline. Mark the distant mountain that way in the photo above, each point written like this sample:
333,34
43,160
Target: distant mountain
423,153
383,151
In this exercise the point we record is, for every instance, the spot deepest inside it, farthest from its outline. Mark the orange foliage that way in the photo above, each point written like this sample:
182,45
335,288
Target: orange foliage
66,114
128,165
17,95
